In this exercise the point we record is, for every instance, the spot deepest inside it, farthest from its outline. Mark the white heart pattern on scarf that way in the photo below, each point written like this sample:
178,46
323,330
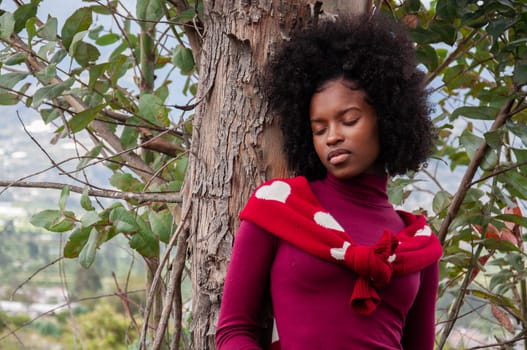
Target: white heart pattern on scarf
339,253
425,231
327,221
277,191
391,258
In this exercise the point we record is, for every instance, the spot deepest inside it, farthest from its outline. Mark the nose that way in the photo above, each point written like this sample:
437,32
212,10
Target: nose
334,135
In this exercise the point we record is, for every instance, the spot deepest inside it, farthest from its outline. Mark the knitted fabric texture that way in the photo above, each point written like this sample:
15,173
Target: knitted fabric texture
288,209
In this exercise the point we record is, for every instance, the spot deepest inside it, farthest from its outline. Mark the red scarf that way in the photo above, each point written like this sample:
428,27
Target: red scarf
289,210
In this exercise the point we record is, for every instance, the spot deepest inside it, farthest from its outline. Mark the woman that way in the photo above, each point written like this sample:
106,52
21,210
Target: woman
342,268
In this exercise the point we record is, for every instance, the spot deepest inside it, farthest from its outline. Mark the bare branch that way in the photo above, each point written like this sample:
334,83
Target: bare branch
465,184
157,276
42,268
55,309
163,197
126,304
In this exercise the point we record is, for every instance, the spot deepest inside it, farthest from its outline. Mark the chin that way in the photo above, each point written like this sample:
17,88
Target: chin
344,174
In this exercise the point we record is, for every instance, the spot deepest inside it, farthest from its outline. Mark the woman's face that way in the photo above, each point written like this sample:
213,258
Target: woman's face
344,128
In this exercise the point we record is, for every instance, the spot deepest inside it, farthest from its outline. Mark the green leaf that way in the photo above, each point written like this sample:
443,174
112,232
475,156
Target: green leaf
23,14
102,10
518,129
76,242
144,240
54,220
64,194
15,59
87,254
423,36
499,245
471,143
108,39
441,201
396,190
51,91
185,16
129,136
162,224
47,49
9,80
498,26
520,220
95,73
183,59
480,113
58,56
181,168
94,33
457,77
31,29
81,120
193,89
126,182
493,139
90,218
117,52
515,183
123,220
521,157
500,278
413,5
8,98
152,109
520,74
66,223
447,9
117,68
85,200
47,74
45,218
50,114
84,53
49,30
446,31
7,25
149,10
427,55
79,21
499,300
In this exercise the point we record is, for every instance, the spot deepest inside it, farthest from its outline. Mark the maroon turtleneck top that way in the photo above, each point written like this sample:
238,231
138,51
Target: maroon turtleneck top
310,296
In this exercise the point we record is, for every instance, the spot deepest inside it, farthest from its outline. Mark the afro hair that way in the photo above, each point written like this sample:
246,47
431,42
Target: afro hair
376,54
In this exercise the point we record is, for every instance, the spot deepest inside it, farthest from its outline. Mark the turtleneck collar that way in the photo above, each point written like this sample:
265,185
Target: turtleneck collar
365,189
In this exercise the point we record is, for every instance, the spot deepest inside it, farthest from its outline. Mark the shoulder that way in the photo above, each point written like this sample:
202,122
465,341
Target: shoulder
289,180
279,189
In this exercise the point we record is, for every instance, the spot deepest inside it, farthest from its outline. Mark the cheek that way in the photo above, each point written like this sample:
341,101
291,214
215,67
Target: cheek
316,145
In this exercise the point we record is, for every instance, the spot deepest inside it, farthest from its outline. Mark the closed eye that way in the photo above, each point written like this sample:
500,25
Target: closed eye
319,132
350,121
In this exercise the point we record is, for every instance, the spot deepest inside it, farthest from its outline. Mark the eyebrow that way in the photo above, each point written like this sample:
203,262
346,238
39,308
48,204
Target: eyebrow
339,113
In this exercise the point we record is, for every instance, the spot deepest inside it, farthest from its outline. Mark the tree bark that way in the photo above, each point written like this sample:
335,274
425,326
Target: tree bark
236,145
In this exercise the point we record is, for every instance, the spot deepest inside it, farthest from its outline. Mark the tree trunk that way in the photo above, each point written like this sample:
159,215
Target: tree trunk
236,146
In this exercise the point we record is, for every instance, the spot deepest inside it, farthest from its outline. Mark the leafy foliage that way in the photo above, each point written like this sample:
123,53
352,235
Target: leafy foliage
474,54
103,79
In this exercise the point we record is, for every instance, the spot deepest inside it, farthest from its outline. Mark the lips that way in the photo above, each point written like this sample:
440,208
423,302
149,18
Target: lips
338,156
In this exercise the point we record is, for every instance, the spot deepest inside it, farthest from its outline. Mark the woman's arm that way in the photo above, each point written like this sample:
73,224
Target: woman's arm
419,330
246,290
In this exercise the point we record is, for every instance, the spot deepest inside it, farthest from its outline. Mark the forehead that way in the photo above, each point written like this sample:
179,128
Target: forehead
337,94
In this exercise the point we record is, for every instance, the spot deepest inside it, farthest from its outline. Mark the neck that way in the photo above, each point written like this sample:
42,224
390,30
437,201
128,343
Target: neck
368,189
